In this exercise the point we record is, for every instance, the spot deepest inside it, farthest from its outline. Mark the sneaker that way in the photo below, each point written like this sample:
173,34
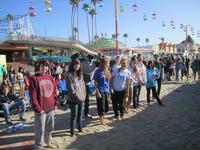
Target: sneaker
88,116
9,123
72,135
80,130
161,104
22,119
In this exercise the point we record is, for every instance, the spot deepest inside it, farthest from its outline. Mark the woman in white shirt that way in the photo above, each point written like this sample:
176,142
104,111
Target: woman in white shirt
120,84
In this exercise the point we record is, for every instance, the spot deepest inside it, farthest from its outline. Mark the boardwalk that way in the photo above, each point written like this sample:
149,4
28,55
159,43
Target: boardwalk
174,127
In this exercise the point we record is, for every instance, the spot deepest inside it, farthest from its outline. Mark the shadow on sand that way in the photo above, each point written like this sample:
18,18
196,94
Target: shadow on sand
174,127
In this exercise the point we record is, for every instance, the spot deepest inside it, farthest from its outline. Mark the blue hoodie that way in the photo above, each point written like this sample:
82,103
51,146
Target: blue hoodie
152,75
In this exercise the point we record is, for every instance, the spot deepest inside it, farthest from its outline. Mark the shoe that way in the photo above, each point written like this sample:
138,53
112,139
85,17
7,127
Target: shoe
117,117
80,130
9,123
161,104
22,119
122,117
72,135
88,116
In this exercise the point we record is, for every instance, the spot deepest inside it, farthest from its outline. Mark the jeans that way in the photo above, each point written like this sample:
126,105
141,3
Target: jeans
27,97
136,95
44,126
76,116
7,107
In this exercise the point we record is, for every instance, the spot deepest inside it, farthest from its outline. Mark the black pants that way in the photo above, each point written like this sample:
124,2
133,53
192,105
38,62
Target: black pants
159,86
118,102
86,106
102,104
155,95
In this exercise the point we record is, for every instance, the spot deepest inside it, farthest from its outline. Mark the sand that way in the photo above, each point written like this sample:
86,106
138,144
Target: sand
150,127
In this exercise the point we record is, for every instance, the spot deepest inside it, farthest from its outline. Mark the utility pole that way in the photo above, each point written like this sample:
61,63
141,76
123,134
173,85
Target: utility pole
186,40
116,26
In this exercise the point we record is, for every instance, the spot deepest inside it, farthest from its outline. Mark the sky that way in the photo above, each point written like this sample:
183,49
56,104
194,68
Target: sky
58,23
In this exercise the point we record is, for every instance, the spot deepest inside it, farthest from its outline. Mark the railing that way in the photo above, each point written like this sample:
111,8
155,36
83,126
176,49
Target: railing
51,39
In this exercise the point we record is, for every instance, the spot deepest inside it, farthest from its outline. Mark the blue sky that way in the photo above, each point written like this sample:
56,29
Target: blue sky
57,23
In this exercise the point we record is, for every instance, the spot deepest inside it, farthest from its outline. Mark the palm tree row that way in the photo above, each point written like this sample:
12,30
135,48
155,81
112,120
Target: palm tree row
146,40
89,11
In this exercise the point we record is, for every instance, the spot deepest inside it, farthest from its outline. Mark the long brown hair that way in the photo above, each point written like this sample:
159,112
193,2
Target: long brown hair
104,65
71,67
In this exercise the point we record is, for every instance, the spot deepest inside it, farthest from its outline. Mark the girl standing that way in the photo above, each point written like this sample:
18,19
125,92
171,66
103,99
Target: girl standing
152,76
76,94
120,82
101,77
20,77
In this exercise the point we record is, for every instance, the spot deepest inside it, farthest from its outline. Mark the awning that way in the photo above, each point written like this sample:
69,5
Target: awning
53,58
39,50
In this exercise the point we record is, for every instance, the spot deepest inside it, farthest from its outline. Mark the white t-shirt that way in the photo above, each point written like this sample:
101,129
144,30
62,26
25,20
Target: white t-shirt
115,67
120,79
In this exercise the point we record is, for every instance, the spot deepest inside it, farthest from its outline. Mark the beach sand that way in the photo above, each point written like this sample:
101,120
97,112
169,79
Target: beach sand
151,127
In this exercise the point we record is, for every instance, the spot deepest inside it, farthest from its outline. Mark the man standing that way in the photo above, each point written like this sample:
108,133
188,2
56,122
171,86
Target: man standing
43,97
88,67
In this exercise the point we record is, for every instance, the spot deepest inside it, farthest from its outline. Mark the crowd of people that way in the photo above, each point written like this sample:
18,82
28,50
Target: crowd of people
73,84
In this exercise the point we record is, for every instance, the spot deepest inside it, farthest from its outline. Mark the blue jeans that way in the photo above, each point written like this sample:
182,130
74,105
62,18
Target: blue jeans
136,95
27,97
76,116
13,105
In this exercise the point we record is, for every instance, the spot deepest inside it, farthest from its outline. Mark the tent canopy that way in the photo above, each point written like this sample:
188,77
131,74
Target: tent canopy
53,58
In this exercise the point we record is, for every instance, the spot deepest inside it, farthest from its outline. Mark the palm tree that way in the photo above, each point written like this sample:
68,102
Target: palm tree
138,40
147,41
86,8
92,12
75,4
95,2
9,16
125,36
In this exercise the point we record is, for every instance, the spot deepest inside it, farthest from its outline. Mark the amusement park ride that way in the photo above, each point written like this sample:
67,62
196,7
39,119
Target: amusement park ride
19,26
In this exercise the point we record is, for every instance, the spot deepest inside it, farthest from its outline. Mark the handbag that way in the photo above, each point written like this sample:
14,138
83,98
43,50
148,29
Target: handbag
90,87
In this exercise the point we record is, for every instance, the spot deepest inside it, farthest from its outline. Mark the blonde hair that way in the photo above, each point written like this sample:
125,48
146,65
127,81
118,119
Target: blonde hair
104,65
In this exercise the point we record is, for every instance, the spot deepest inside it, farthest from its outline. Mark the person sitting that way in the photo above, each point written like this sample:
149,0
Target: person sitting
9,102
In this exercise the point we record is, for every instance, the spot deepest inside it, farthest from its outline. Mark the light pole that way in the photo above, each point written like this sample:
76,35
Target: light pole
116,26
185,29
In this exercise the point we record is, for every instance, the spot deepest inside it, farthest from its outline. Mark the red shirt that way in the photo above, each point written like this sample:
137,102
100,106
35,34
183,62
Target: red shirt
43,93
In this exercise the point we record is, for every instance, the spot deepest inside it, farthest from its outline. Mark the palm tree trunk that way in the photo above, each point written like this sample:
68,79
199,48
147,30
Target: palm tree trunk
92,31
74,16
125,41
72,21
77,23
88,26
95,20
